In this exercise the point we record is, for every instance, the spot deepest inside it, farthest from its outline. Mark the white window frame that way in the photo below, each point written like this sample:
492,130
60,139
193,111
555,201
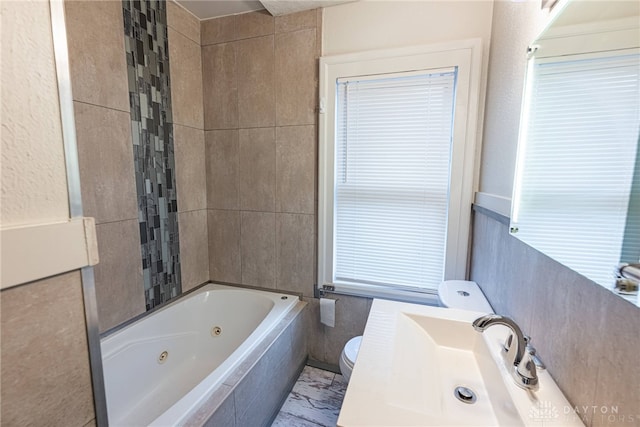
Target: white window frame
466,55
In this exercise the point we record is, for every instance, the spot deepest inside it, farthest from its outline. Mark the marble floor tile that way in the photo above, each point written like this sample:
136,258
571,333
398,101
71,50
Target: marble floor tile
339,384
315,400
315,375
287,420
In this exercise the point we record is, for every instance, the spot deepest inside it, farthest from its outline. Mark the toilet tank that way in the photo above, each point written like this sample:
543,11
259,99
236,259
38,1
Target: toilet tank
464,295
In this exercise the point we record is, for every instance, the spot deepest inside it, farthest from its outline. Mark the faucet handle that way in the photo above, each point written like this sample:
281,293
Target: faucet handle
526,369
534,356
526,372
509,341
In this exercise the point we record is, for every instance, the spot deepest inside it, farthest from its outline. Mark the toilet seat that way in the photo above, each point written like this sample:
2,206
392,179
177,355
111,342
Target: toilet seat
351,350
348,356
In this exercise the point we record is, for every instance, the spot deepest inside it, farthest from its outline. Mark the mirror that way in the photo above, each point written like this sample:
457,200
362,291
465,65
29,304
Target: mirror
577,186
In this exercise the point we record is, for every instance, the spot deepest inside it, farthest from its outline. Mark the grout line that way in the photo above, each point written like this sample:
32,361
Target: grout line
275,248
252,210
182,34
240,240
192,210
244,38
102,106
117,220
275,79
258,127
237,91
187,126
274,33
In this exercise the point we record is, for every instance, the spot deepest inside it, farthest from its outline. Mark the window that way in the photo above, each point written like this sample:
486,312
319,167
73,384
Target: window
396,168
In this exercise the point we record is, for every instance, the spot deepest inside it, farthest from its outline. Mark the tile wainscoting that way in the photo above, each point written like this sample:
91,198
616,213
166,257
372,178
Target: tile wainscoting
586,335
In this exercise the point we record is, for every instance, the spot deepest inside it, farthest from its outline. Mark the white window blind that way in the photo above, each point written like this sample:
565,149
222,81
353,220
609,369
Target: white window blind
584,112
392,166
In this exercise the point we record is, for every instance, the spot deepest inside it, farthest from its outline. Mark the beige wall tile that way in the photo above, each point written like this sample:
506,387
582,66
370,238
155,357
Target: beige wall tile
295,252
182,21
257,245
118,276
96,53
224,246
256,83
194,248
185,63
257,169
296,169
105,155
46,378
351,318
254,24
296,78
222,154
296,21
218,30
220,86
315,330
191,178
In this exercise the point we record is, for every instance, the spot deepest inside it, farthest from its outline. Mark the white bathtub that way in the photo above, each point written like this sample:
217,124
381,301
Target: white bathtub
143,387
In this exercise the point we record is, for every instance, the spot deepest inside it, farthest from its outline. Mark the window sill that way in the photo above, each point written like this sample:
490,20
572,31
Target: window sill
428,297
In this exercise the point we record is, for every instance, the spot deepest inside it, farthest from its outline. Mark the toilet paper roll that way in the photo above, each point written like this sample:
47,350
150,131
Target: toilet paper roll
328,312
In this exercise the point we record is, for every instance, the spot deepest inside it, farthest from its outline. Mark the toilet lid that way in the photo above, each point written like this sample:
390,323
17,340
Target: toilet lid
464,295
351,349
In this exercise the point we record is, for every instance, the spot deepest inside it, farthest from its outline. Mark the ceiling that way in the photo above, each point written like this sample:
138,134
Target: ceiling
205,9
584,12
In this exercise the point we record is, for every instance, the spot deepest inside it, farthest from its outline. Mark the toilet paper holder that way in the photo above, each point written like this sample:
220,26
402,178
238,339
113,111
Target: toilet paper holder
322,292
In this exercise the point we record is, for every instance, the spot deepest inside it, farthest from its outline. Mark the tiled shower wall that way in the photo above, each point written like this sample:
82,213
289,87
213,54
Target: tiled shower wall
260,91
260,77
256,181
105,148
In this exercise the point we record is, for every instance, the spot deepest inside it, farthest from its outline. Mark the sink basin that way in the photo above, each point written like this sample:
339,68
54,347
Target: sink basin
422,366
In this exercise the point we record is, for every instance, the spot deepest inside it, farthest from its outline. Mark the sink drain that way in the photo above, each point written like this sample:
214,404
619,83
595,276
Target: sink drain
464,394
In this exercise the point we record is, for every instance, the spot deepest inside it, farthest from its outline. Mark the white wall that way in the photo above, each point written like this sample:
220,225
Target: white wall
374,24
34,182
515,25
383,24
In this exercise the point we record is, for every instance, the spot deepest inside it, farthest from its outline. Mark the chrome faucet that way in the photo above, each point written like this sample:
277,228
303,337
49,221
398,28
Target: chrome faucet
518,359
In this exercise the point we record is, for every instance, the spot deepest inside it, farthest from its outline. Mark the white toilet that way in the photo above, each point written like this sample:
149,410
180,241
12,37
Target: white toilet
460,294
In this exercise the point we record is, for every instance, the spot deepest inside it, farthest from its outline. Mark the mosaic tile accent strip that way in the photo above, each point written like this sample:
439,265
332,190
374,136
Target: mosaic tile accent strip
147,50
